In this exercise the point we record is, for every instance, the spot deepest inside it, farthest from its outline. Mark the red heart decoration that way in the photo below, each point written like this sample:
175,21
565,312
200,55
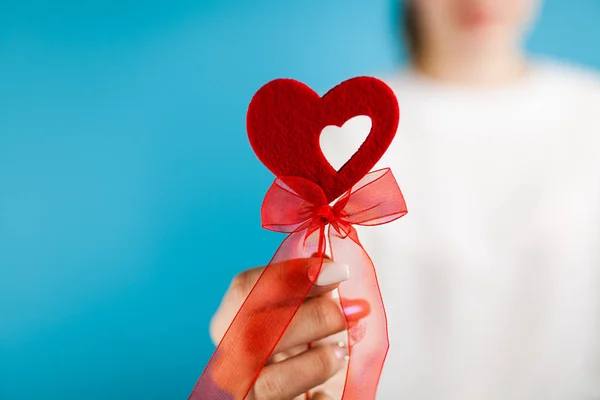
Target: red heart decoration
285,119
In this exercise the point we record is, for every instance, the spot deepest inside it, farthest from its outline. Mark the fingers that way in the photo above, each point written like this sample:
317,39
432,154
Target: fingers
316,319
297,375
330,276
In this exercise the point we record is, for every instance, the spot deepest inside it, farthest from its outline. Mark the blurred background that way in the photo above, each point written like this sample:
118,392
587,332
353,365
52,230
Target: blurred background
129,195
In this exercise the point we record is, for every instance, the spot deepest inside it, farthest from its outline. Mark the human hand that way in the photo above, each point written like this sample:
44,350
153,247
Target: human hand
295,369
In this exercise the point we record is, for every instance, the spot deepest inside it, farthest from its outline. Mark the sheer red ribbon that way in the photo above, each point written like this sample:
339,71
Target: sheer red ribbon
299,207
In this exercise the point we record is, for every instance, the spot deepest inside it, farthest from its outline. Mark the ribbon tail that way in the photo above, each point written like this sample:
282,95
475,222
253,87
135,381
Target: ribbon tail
262,319
368,341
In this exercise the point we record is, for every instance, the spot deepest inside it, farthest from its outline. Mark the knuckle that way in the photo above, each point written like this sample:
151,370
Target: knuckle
326,315
268,386
239,288
241,284
321,312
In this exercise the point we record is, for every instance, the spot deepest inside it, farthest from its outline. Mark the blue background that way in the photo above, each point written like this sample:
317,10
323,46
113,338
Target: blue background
129,195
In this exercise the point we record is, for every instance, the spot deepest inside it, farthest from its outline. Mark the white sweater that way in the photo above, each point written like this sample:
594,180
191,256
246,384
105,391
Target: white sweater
492,280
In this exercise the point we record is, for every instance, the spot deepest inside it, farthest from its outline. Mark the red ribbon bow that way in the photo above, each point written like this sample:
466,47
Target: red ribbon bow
299,207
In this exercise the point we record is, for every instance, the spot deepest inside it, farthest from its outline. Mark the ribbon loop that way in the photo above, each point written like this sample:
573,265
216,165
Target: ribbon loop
290,203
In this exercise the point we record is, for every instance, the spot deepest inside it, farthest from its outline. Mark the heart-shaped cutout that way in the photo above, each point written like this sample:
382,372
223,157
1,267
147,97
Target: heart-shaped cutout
285,120
339,144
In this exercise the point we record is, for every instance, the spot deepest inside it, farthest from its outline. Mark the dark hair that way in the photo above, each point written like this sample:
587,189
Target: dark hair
411,29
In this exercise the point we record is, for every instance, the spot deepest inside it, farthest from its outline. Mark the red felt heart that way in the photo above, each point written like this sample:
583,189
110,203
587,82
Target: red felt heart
285,119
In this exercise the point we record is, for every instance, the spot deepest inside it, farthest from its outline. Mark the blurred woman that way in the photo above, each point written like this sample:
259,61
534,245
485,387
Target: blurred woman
492,281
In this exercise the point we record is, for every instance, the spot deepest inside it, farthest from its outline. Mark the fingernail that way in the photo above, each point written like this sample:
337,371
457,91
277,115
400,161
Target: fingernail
355,309
341,351
332,273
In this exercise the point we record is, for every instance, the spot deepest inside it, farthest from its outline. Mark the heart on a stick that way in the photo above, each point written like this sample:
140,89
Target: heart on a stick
285,120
